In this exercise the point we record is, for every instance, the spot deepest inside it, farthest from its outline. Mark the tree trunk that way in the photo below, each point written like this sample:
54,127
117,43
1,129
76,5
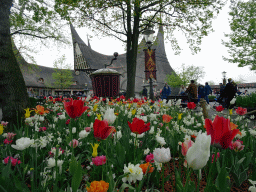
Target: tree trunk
13,97
132,50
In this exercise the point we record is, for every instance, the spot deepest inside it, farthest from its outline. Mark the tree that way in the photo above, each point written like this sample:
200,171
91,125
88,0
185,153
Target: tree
211,82
62,75
185,75
127,19
241,49
21,14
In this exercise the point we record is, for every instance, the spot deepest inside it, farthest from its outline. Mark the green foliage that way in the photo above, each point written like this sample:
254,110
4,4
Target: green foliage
184,76
242,25
62,76
246,101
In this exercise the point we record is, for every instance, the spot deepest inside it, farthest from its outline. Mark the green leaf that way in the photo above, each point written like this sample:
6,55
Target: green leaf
125,185
121,154
77,177
222,180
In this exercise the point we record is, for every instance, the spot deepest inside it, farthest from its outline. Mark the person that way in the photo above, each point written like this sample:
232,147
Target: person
208,90
182,90
245,92
191,91
145,92
166,91
201,92
229,91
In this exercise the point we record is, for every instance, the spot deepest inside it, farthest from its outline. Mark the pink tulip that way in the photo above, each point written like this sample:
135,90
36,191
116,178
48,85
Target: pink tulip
87,129
10,136
42,129
75,143
237,145
150,158
185,146
6,141
13,161
99,160
218,156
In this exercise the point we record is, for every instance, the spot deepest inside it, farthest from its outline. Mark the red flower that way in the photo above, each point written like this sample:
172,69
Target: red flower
220,131
50,97
191,105
68,121
150,158
241,111
219,108
122,97
75,108
167,118
101,130
138,126
118,99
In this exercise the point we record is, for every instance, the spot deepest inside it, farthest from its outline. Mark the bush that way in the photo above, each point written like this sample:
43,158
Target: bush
211,97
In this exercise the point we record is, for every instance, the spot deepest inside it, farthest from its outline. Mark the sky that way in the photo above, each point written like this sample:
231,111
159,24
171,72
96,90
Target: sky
210,56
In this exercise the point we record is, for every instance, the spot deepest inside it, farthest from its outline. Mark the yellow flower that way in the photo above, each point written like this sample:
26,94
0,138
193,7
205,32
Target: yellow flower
27,114
95,108
94,148
151,106
99,116
133,111
230,111
129,106
179,116
1,129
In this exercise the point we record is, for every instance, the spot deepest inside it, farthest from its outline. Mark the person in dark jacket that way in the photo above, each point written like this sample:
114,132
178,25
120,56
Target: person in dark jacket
166,91
208,91
201,92
144,92
229,91
192,91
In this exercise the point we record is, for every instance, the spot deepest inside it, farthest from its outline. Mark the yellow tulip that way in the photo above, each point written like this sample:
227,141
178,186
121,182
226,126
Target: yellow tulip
230,111
179,116
95,108
1,129
133,111
99,116
27,114
94,148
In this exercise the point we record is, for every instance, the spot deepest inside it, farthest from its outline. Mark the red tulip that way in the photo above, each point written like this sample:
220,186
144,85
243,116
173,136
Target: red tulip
75,108
101,130
241,111
219,108
138,126
191,105
220,131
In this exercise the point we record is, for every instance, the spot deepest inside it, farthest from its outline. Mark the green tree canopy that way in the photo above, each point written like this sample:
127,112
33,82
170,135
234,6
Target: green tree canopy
127,19
241,48
185,75
62,75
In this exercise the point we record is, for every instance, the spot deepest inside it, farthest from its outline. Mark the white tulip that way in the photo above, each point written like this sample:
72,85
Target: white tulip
83,134
162,155
109,116
22,143
198,155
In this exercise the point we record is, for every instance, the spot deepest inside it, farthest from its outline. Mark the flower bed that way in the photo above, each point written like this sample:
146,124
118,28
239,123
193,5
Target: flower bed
94,144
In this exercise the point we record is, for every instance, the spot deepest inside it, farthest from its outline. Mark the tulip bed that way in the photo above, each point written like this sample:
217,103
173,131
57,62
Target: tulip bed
93,144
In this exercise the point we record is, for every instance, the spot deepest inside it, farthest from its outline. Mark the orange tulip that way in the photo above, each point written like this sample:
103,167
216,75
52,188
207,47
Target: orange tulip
167,118
98,186
145,167
40,110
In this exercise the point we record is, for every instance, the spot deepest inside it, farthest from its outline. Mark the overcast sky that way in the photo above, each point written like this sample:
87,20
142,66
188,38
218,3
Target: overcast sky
210,56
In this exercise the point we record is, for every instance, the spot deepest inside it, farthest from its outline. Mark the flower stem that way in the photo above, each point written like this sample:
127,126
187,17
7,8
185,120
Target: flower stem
163,178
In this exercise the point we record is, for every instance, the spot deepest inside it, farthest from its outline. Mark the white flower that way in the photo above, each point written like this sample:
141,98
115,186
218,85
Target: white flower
233,101
118,135
252,132
88,98
138,135
252,117
59,140
152,130
29,120
62,116
41,118
74,130
83,134
160,140
22,143
109,116
55,119
238,136
178,102
162,155
146,151
51,162
135,171
252,188
198,155
158,166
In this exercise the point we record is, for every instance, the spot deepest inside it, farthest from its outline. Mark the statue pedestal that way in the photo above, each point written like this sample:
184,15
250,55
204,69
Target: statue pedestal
105,82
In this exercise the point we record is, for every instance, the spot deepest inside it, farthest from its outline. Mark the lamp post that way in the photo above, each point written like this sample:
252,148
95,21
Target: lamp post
224,77
149,63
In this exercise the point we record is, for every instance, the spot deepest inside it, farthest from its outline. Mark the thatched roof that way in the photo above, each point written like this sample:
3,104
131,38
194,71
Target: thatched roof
97,60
